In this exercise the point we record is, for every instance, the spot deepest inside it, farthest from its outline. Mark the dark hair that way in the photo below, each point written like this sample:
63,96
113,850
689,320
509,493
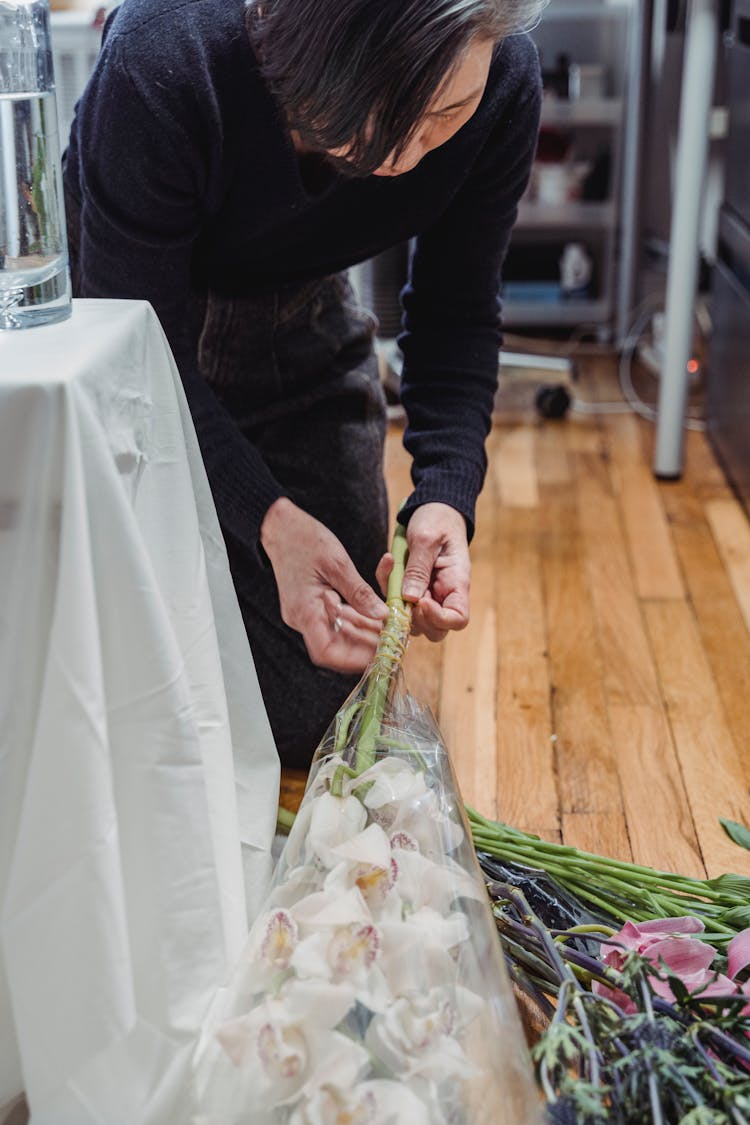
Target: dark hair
361,73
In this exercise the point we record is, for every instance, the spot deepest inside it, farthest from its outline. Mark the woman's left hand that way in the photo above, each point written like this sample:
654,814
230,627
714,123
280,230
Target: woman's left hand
438,570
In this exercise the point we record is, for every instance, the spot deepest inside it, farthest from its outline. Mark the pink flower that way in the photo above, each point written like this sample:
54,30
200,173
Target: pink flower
738,953
738,958
669,946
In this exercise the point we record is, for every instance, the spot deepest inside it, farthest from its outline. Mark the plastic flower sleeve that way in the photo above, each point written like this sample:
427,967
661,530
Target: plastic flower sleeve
372,988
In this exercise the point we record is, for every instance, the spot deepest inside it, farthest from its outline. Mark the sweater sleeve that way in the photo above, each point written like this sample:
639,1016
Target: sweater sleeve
142,166
451,336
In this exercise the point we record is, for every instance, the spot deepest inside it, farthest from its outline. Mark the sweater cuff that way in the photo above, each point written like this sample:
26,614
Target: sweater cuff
458,490
242,498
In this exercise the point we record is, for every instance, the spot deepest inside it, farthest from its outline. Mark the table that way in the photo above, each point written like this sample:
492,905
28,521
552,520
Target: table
135,751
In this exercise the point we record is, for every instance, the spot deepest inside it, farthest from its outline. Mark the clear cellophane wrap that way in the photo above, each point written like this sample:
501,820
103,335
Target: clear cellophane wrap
372,988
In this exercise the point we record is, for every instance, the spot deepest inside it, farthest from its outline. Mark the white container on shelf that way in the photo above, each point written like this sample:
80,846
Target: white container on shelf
586,81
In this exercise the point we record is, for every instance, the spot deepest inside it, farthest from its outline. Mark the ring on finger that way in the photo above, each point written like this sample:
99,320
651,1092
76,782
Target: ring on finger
338,624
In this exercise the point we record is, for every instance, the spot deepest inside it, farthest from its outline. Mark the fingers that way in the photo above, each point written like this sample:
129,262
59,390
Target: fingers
422,628
344,635
384,568
314,575
437,575
435,621
437,537
349,650
418,570
358,594
338,614
350,641
341,638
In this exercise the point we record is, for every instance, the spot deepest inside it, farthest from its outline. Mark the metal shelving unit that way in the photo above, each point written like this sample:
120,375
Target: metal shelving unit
573,216
565,313
587,31
587,111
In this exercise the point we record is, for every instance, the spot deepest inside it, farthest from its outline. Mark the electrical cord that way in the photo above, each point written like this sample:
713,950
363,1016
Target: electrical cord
633,402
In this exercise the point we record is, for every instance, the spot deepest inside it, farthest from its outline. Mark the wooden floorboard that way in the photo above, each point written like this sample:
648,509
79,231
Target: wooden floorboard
723,634
652,553
732,534
527,792
467,707
588,780
601,693
712,772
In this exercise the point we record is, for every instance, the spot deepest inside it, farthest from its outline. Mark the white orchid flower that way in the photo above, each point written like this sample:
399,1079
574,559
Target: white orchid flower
350,954
366,862
419,1034
399,799
269,949
420,950
396,1104
333,820
391,782
421,882
283,1042
379,1102
331,907
438,831
295,883
349,973
330,1105
340,953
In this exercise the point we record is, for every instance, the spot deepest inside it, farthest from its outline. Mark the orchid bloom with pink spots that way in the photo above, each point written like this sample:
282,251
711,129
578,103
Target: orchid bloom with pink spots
670,946
283,1040
352,1004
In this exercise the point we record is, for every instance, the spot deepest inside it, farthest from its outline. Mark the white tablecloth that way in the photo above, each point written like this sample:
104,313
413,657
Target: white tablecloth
135,752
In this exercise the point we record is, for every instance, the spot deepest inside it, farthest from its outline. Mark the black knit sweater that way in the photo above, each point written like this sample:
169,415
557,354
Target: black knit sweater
184,178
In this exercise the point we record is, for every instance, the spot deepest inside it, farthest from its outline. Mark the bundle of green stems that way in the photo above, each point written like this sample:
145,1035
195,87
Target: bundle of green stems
622,891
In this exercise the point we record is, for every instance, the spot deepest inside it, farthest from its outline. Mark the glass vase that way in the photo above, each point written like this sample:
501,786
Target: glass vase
34,275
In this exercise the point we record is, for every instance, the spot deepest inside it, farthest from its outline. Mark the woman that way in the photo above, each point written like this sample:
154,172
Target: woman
227,163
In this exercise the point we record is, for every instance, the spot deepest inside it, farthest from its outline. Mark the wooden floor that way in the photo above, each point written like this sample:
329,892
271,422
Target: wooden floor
601,693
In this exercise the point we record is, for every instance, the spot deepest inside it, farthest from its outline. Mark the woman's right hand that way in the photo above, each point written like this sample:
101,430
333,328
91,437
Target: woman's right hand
322,595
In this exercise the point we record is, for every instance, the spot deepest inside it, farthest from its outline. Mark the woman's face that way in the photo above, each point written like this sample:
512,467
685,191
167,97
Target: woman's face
452,106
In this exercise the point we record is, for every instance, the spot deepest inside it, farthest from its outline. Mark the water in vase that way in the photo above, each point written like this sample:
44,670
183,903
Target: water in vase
34,279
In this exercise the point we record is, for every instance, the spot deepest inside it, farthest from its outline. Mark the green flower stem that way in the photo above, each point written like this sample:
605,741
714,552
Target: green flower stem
624,890
285,818
337,781
529,962
387,659
343,724
588,929
504,834
609,891
561,873
400,552
595,1075
636,874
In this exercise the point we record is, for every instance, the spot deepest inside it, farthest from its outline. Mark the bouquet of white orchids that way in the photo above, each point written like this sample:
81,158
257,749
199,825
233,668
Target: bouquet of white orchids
372,987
